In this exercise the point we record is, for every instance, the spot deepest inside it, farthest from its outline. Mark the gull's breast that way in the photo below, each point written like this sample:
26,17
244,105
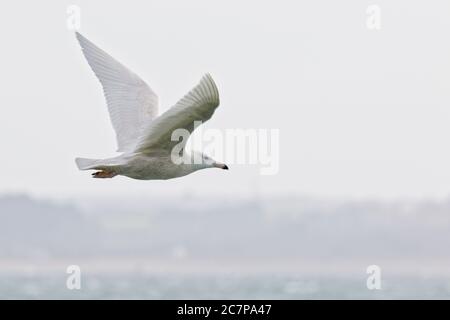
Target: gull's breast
151,168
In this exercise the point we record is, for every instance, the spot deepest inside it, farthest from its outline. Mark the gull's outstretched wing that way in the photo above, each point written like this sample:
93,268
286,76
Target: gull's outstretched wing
131,102
198,105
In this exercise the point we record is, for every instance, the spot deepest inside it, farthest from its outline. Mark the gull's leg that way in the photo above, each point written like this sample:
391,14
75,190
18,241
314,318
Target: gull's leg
104,174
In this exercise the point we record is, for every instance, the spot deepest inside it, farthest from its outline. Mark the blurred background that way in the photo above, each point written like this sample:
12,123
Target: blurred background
363,174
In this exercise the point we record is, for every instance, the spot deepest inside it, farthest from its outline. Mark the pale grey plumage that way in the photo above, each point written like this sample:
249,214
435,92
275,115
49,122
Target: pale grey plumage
144,138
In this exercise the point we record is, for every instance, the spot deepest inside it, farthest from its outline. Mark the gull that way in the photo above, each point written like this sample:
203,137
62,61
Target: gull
143,138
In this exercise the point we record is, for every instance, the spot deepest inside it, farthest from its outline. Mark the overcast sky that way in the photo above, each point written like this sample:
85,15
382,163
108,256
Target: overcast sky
360,112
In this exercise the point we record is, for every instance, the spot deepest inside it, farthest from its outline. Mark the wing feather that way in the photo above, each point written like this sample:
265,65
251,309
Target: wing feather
131,102
198,105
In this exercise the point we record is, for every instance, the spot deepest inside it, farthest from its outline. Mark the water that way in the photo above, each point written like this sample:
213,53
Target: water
219,287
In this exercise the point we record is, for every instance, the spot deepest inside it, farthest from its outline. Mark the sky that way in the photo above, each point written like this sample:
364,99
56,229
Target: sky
360,112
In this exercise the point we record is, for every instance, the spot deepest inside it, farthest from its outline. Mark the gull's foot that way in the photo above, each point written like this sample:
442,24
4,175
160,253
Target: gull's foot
103,174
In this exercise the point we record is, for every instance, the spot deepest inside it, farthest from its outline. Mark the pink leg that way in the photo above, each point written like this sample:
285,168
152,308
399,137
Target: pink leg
103,174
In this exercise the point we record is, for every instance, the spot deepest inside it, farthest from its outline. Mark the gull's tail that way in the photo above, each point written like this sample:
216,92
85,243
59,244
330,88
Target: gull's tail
87,164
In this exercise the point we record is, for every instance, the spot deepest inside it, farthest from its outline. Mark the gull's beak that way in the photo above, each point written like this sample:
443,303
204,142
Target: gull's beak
221,166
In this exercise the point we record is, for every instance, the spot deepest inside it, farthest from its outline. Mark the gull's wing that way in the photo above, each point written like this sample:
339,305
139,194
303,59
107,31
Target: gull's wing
198,105
131,102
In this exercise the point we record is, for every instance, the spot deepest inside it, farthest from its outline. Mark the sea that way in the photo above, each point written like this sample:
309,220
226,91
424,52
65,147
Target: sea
261,286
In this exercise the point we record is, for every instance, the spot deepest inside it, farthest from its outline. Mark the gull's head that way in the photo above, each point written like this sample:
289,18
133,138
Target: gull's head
205,161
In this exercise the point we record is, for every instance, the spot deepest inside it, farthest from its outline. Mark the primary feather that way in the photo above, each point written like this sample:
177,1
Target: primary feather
131,102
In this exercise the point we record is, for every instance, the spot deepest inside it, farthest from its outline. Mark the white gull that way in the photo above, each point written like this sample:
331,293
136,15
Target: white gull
143,138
